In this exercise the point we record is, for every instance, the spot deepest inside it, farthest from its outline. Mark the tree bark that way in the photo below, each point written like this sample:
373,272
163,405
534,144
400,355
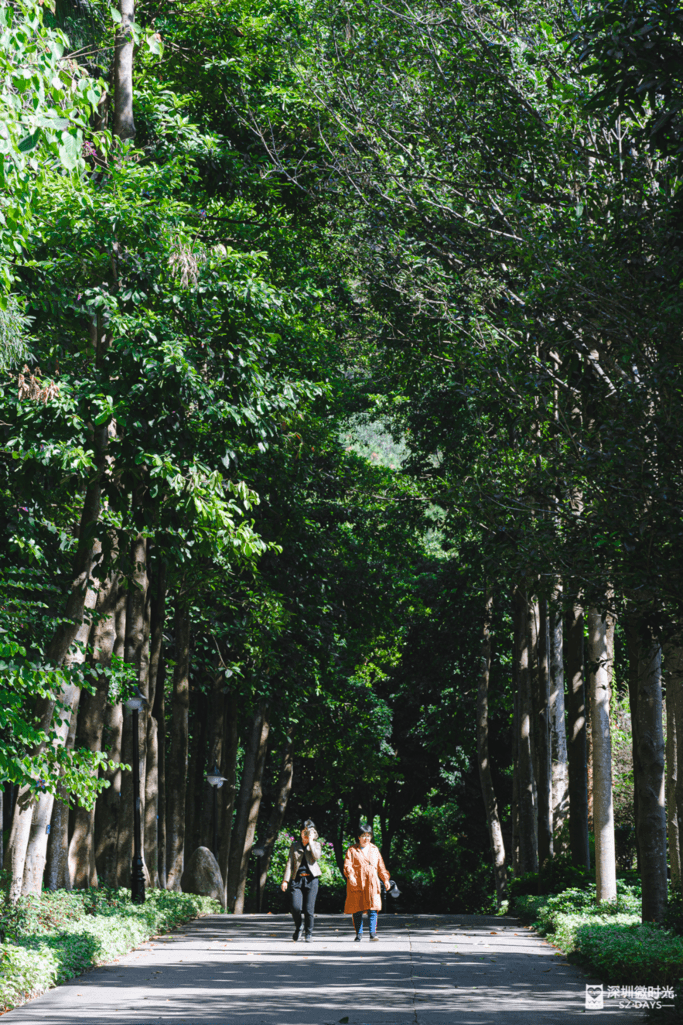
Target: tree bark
36,847
558,733
528,849
485,776
41,824
650,777
159,714
157,595
214,747
542,739
136,653
600,660
673,674
577,743
81,853
516,861
248,806
57,871
516,857
277,814
108,807
633,649
226,802
671,780
176,772
124,125
74,629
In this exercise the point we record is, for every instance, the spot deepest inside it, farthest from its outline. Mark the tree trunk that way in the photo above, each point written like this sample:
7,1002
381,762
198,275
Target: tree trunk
157,605
600,661
577,745
528,850
108,807
514,811
176,771
81,854
633,649
57,872
339,838
36,847
159,714
558,734
41,825
277,814
673,674
124,126
136,653
671,780
214,748
485,777
542,739
195,773
248,806
226,802
650,777
73,630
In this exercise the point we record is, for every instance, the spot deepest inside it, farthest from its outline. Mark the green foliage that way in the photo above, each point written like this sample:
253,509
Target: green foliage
28,755
674,911
557,876
45,105
610,938
57,936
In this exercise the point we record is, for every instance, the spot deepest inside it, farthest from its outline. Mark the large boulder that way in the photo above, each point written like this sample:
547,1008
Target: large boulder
203,876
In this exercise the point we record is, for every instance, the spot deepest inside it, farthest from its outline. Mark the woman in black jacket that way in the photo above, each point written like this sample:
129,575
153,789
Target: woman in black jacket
301,876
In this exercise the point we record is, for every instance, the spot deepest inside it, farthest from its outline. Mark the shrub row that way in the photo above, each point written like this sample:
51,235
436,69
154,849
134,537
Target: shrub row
55,937
611,938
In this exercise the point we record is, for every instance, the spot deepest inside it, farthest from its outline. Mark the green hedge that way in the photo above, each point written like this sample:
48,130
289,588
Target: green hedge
612,939
55,937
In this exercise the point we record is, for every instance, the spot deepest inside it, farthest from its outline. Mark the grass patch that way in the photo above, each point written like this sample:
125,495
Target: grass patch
53,937
611,939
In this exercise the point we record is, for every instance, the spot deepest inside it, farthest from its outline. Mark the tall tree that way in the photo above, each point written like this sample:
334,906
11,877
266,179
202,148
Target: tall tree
600,660
485,778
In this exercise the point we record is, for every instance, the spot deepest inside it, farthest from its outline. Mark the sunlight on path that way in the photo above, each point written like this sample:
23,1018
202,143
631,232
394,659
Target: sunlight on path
426,970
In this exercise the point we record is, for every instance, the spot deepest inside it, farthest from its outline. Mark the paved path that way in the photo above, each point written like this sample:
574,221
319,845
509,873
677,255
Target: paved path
425,970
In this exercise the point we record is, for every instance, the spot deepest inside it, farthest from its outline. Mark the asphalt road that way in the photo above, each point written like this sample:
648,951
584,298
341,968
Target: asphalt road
425,970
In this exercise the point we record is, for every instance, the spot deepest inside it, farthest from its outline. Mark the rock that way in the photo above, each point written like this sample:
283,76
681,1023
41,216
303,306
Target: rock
203,876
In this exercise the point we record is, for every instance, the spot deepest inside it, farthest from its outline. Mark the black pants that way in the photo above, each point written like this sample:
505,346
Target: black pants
304,891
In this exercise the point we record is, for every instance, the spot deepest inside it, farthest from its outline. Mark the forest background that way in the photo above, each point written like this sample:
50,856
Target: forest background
340,411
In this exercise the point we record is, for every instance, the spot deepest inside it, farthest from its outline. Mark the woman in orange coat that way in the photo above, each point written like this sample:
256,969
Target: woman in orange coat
363,868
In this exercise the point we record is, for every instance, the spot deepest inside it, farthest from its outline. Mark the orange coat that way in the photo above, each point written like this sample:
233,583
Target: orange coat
363,870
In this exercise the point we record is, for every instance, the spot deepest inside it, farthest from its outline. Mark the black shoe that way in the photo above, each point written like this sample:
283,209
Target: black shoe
297,933
357,939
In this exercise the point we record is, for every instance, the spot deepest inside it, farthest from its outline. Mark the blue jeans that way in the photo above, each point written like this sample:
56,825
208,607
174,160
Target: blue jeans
358,922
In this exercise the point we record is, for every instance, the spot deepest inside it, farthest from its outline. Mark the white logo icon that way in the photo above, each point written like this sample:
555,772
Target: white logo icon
594,998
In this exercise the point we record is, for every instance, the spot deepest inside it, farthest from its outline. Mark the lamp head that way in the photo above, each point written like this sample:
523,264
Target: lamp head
214,777
137,701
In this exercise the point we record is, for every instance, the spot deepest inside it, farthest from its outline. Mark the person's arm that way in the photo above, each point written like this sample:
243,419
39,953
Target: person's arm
349,868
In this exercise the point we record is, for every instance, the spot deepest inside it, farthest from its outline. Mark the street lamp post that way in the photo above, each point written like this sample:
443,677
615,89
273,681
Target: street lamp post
135,704
215,781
